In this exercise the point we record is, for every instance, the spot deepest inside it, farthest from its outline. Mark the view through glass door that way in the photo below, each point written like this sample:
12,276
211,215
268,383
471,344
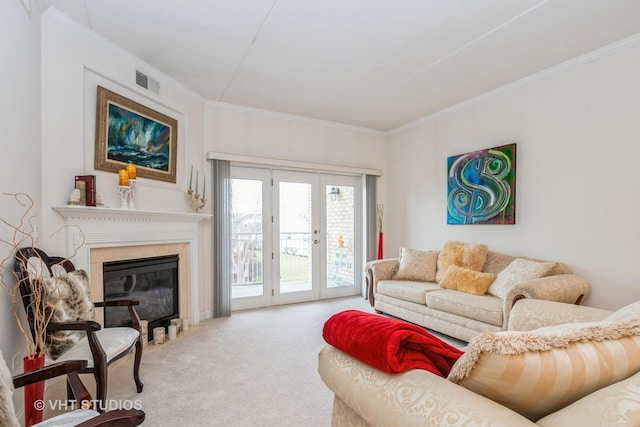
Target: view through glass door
295,237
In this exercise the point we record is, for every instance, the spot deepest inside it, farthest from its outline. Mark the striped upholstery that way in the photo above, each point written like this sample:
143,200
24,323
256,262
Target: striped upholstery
539,372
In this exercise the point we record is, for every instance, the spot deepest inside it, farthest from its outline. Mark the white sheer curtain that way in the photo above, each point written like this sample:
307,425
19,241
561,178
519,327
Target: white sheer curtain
221,198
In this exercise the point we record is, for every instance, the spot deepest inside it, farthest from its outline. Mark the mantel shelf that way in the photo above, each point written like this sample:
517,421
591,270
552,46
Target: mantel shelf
97,213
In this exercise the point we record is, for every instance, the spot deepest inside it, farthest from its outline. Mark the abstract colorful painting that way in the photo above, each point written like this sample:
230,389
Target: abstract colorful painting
482,187
128,132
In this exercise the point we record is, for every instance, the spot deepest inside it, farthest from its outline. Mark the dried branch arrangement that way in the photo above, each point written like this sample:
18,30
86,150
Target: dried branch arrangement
22,235
379,214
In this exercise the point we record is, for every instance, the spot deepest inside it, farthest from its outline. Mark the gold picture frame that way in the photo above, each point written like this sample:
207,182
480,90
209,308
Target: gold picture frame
129,132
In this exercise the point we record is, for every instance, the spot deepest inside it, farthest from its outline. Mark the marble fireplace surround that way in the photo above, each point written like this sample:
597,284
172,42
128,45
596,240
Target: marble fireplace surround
120,234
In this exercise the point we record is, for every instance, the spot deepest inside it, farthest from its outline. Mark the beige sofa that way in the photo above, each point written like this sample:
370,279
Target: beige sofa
416,295
365,396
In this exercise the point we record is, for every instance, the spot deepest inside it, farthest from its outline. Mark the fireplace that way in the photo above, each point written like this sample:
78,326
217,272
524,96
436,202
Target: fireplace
153,281
102,235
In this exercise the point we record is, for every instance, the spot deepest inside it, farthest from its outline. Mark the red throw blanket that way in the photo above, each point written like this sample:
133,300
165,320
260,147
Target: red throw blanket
388,344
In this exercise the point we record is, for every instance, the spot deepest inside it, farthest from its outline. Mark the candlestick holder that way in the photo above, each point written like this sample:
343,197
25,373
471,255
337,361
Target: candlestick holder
195,201
124,191
132,194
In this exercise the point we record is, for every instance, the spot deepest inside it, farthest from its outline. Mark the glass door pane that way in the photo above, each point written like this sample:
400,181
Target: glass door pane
296,237
247,252
340,233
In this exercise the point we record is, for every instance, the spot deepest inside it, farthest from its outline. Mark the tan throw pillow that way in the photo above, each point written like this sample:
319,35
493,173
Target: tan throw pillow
520,270
417,265
466,255
539,372
465,280
67,297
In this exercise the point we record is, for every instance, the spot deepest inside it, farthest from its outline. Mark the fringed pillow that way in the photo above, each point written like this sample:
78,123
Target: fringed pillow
67,297
539,372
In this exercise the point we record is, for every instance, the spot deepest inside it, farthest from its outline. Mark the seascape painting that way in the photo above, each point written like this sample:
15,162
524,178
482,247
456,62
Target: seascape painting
482,187
133,138
128,132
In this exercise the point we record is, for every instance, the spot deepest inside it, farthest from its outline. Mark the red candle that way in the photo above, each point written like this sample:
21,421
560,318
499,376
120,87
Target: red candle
123,178
131,168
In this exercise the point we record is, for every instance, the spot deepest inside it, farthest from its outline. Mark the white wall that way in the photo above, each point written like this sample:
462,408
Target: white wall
74,62
577,132
20,142
251,132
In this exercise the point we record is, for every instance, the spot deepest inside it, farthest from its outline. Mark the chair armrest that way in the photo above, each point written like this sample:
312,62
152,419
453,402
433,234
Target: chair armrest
117,303
129,303
413,398
566,288
48,372
119,417
530,314
74,325
382,269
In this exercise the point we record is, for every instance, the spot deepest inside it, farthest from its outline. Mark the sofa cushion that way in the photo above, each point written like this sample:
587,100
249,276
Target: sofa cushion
539,372
406,290
465,280
496,262
628,312
520,270
484,308
467,255
417,265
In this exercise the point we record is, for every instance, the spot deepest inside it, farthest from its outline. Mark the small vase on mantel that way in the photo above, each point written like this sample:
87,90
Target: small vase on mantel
33,392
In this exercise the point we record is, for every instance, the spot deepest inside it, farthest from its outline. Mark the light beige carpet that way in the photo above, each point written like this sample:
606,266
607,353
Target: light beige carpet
255,368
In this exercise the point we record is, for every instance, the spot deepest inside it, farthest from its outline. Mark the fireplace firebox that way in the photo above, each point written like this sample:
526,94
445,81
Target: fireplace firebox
152,281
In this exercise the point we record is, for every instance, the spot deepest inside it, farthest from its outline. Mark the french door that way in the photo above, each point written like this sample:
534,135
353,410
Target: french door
296,236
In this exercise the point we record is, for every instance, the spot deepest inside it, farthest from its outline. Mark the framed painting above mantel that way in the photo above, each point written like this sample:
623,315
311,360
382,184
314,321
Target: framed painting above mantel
129,132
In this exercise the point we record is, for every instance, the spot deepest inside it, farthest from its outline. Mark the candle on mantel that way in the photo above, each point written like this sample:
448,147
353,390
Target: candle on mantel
204,185
123,178
191,178
131,169
196,182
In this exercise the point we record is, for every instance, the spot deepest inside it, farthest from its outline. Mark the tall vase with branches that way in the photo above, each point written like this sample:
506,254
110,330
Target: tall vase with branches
32,328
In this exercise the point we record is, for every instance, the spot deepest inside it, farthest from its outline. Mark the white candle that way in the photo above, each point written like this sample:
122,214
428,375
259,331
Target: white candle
172,332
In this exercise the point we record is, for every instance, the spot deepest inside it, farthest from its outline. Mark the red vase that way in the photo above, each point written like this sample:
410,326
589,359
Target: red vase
33,393
380,256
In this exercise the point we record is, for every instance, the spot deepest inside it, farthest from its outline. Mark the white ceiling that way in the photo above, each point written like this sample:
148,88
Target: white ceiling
373,63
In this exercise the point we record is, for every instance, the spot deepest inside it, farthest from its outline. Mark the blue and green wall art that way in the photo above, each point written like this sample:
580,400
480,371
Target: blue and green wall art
482,187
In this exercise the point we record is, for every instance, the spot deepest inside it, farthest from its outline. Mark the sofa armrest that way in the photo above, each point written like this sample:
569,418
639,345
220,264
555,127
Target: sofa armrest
567,288
530,314
412,398
374,271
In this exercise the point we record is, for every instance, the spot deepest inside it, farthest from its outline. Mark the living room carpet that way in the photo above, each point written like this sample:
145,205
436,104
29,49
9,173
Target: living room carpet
255,368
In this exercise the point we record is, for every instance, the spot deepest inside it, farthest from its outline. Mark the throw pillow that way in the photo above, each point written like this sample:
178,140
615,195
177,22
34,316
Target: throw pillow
520,270
466,255
539,372
465,280
67,297
417,265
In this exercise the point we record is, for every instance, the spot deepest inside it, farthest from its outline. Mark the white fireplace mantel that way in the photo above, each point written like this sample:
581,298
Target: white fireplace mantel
94,227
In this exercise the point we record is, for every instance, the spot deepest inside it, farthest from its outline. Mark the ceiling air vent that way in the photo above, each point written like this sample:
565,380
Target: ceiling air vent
147,82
